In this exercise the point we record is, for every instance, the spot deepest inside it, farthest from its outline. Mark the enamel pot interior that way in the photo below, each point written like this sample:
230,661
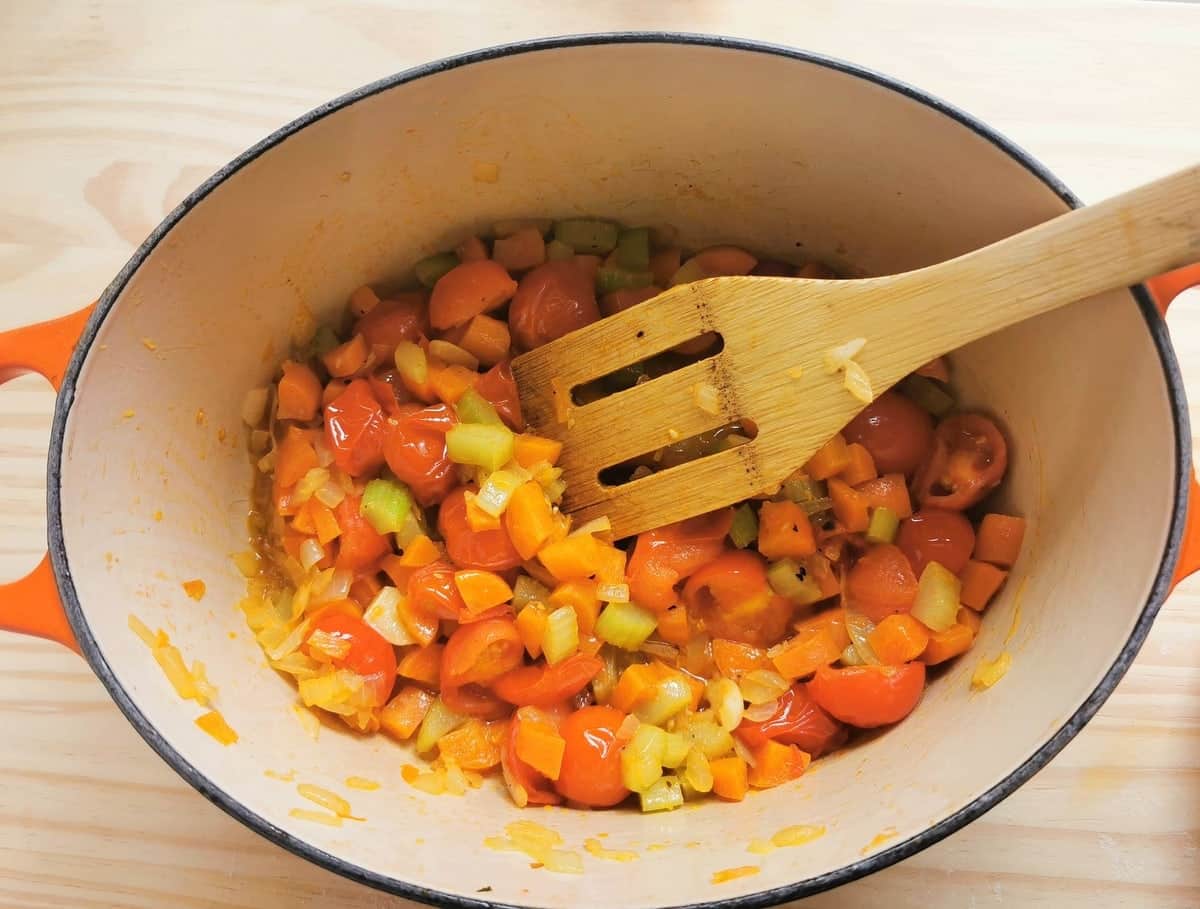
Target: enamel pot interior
786,155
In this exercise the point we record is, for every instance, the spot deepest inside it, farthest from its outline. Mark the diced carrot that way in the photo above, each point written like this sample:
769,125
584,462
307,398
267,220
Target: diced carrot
830,460
449,382
396,570
302,522
467,290
521,250
481,589
478,519
475,745
404,713
673,626
531,625
530,450
945,645
539,745
999,539
589,264
486,339
571,559
325,524
364,588
898,639
970,618
299,392
805,653
663,265
861,467
472,249
731,778
636,685
980,581
362,301
784,531
348,358
849,506
423,664
775,764
936,369
833,621
610,563
888,491
420,552
346,607
734,658
580,595
528,519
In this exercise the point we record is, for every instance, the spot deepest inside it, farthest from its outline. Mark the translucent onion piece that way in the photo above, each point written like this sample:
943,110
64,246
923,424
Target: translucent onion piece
383,614
311,552
727,702
324,455
337,589
858,626
613,593
762,685
760,713
453,354
836,358
330,495
254,406
742,751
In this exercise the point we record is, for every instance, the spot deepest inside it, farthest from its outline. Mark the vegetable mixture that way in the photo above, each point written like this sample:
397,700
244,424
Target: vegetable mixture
415,576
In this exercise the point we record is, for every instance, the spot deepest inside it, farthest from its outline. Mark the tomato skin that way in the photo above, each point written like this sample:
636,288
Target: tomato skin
432,591
474,656
369,655
798,721
591,766
881,583
490,550
355,429
359,544
664,557
732,597
545,686
897,433
869,696
415,450
499,387
534,788
551,300
403,318
936,535
390,391
968,461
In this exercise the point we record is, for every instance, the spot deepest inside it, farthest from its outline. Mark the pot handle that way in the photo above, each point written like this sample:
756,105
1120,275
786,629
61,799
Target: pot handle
1164,289
32,605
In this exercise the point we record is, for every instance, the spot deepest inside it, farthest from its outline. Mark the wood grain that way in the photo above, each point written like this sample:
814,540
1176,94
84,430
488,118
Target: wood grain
111,112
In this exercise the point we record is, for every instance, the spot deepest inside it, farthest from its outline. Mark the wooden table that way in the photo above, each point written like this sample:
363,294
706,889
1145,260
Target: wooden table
110,112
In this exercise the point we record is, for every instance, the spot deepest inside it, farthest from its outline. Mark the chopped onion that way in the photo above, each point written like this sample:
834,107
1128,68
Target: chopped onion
596,525
496,492
760,713
858,383
707,398
254,406
836,358
453,354
337,588
762,685
329,645
383,614
330,495
741,750
858,627
628,727
313,480
267,462
324,455
311,552
613,593
290,643
727,702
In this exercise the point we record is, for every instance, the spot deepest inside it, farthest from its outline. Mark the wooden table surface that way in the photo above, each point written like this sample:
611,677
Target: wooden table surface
111,112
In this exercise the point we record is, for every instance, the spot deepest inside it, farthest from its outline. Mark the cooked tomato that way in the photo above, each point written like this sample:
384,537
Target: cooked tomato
551,300
544,686
369,655
869,696
664,557
403,318
390,391
733,599
354,429
498,386
936,535
881,583
474,656
432,591
591,766
798,721
526,785
490,550
359,544
415,450
897,433
968,461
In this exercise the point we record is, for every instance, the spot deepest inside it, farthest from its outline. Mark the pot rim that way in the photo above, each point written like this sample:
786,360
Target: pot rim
809,886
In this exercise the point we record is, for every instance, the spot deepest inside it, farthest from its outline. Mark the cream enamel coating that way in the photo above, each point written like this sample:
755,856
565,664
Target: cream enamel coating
388,180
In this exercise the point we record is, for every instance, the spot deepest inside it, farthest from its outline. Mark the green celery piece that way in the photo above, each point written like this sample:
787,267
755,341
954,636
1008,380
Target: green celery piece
883,526
386,505
609,279
665,794
473,407
558,251
744,529
324,341
587,235
625,625
480,444
633,249
793,581
928,394
431,269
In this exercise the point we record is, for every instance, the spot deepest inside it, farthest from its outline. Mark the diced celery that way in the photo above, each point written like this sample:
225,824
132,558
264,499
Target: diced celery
664,795
794,581
438,721
562,635
324,341
609,279
726,700
586,235
412,363
558,251
744,529
526,590
676,750
810,494
672,695
633,249
936,606
386,505
697,772
707,737
413,528
642,758
625,625
473,407
497,490
480,444
606,679
429,270
883,526
928,394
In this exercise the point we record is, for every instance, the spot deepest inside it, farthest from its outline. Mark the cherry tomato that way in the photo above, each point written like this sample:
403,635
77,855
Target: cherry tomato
403,318
551,300
432,591
897,433
415,450
544,686
499,387
359,544
798,721
732,597
968,461
390,391
490,550
526,785
869,696
354,429
369,655
591,766
936,535
474,656
881,583
664,557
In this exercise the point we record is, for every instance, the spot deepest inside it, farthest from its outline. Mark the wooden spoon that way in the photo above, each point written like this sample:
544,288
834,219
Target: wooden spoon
778,331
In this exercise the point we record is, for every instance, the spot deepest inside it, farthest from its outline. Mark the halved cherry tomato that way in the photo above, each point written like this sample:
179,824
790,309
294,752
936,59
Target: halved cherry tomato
936,535
544,686
359,544
664,557
968,461
390,391
432,591
591,766
869,696
798,721
526,785
476,655
415,450
369,655
499,387
552,300
732,597
881,582
897,433
491,550
402,318
354,429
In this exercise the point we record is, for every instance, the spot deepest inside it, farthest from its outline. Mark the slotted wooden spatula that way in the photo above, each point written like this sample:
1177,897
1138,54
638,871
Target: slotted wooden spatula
777,332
